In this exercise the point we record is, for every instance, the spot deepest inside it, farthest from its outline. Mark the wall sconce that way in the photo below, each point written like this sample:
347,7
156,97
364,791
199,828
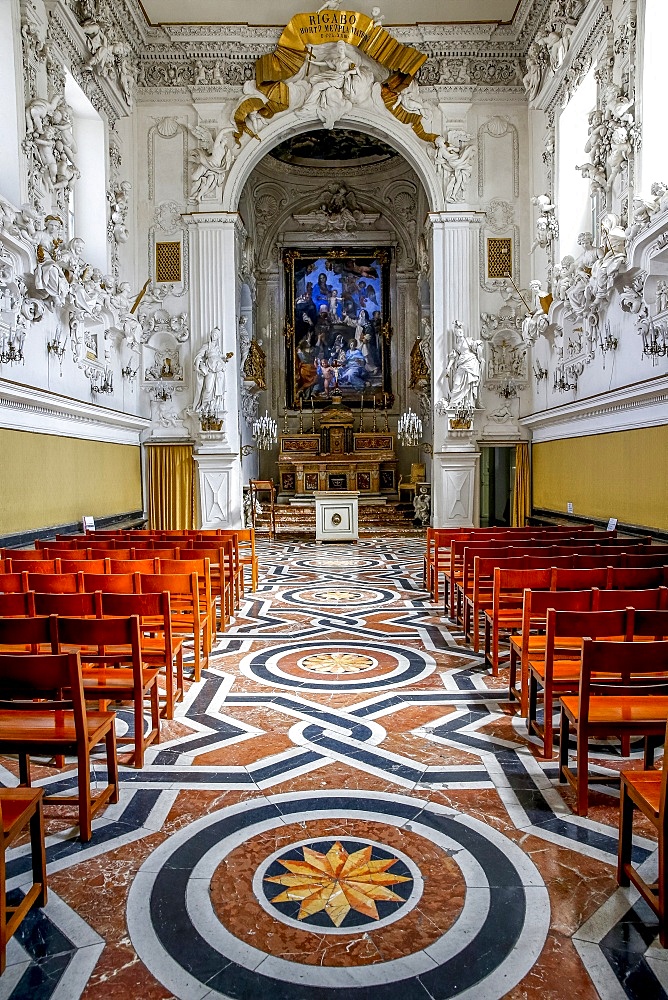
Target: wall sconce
539,372
102,383
57,348
129,373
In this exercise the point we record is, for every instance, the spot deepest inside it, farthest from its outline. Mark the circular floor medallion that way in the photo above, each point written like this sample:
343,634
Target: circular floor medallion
339,599
337,663
494,942
335,886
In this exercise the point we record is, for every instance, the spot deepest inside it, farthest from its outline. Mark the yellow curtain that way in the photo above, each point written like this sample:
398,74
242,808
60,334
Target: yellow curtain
171,486
521,505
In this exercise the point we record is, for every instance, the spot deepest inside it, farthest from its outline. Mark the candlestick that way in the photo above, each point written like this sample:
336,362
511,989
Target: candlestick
312,416
362,412
374,414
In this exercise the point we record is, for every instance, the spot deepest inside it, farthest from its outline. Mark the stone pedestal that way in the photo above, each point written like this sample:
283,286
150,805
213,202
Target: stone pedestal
218,486
455,488
336,516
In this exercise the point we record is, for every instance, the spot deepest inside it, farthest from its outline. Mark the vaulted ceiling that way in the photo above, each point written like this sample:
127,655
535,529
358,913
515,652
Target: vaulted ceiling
279,12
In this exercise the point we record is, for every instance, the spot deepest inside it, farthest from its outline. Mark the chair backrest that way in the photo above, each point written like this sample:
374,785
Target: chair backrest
142,605
117,640
17,605
52,583
21,555
107,552
59,542
32,565
72,605
60,554
181,585
508,582
11,583
33,632
645,600
26,677
538,602
651,622
623,578
646,557
642,666
418,472
595,560
115,583
130,565
81,565
595,624
580,579
167,550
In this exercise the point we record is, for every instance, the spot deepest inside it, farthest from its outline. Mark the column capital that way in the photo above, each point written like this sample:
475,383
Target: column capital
454,219
215,220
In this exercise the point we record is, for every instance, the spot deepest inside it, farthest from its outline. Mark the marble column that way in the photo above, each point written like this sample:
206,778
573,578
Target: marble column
214,238
455,243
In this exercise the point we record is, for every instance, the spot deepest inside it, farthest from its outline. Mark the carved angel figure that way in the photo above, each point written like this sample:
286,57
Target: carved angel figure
336,87
537,323
329,5
378,18
454,160
212,161
409,99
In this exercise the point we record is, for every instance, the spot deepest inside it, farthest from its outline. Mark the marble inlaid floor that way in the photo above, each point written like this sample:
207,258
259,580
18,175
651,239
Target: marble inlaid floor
347,807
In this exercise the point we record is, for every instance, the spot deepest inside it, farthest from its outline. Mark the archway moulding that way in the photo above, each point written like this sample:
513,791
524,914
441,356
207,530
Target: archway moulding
289,124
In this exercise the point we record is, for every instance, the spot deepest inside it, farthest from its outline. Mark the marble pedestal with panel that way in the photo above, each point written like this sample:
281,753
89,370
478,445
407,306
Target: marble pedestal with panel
336,516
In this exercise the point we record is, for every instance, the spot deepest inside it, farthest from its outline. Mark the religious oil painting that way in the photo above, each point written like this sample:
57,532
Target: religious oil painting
337,326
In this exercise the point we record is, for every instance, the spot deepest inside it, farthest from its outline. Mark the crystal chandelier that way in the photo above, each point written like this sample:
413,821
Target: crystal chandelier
409,429
265,432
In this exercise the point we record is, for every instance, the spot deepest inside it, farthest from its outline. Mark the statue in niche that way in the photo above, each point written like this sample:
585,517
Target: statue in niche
607,267
422,506
533,77
101,60
454,161
212,161
547,227
464,370
537,322
563,277
662,296
209,365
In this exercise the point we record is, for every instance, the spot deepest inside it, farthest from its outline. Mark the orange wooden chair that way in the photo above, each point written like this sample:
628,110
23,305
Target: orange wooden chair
636,578
20,808
23,555
506,612
81,565
32,565
628,698
247,557
222,584
207,603
530,641
79,605
11,583
142,565
113,669
652,599
646,792
159,647
582,578
65,554
27,635
183,590
55,726
558,671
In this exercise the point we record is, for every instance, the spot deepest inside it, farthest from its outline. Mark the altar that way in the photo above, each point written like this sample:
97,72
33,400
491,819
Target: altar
337,458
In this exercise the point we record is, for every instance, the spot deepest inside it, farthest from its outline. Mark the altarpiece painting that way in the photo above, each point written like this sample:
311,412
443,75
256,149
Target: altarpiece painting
337,326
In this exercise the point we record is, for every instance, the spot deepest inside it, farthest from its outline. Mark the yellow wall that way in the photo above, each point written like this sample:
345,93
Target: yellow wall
47,480
622,475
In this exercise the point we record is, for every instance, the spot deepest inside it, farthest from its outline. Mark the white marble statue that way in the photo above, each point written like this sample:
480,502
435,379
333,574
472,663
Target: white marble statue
212,161
547,227
118,210
336,87
410,100
50,280
662,296
534,75
209,365
454,161
329,5
50,132
607,267
377,17
537,322
464,370
101,58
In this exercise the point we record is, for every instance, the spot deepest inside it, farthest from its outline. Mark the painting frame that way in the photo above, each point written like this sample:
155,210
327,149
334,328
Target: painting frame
338,330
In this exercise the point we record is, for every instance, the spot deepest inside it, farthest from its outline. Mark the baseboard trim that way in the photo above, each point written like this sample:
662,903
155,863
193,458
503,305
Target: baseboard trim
24,539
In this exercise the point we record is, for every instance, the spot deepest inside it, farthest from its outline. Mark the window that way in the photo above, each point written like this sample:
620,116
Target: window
89,201
574,200
654,151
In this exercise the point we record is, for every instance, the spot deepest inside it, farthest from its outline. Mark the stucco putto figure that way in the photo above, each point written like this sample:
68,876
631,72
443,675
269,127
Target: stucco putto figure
209,364
464,370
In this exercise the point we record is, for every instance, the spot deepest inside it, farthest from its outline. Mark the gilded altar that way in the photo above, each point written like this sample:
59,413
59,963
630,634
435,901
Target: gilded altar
338,457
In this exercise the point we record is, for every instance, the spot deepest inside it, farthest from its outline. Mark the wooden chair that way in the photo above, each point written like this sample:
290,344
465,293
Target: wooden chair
233,566
183,590
17,605
248,556
436,555
630,578
506,612
207,604
130,565
629,698
32,565
20,808
558,671
27,635
418,473
581,579
80,605
113,669
59,554
645,791
256,486
22,555
159,647
55,725
81,565
530,641
222,584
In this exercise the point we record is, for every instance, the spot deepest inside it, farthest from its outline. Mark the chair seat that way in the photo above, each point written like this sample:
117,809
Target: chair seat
24,728
647,788
15,803
621,710
562,670
118,680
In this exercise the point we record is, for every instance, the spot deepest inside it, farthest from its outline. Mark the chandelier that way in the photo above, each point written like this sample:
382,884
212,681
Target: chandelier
409,429
265,432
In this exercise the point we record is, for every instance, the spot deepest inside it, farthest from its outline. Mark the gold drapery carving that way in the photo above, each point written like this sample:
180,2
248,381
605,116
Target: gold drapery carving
521,498
255,365
294,48
171,486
